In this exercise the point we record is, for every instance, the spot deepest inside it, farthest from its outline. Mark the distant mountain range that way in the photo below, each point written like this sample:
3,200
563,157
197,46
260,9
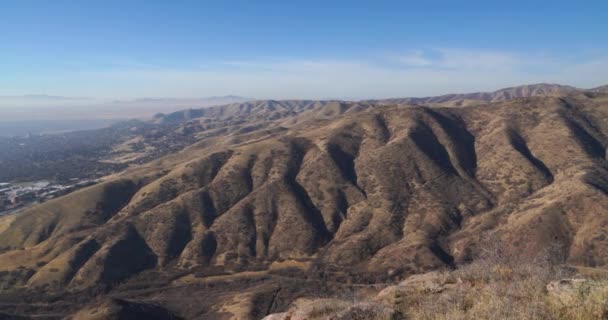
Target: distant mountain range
47,113
602,89
533,90
42,97
202,102
45,107
273,107
43,113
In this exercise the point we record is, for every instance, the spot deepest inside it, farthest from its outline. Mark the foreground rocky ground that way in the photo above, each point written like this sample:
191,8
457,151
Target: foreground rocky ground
486,289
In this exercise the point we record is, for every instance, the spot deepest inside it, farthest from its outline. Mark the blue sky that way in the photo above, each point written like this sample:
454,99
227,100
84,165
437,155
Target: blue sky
297,49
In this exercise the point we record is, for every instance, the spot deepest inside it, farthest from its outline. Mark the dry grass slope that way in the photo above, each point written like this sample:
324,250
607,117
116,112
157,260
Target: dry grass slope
355,192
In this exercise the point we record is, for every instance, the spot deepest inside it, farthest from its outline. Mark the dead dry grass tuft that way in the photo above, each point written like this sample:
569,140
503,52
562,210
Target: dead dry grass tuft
499,287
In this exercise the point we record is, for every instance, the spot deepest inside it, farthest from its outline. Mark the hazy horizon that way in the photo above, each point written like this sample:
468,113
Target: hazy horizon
63,60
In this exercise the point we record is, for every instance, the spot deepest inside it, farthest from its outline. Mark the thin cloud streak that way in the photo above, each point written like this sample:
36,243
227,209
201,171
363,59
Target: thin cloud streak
414,73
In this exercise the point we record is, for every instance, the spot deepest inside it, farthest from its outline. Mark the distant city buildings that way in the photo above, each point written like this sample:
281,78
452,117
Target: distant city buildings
20,195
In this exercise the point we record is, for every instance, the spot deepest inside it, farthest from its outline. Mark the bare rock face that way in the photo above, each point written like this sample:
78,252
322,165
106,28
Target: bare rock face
567,290
432,282
363,311
334,309
565,285
277,316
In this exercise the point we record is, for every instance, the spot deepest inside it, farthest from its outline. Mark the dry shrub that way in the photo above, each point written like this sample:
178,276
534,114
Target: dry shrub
497,286
494,286
587,301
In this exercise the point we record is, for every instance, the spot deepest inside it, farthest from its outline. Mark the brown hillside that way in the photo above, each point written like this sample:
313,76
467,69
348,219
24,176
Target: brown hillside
354,192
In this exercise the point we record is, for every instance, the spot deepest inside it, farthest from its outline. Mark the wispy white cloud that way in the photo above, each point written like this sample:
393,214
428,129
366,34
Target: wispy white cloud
463,59
414,59
482,60
411,73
